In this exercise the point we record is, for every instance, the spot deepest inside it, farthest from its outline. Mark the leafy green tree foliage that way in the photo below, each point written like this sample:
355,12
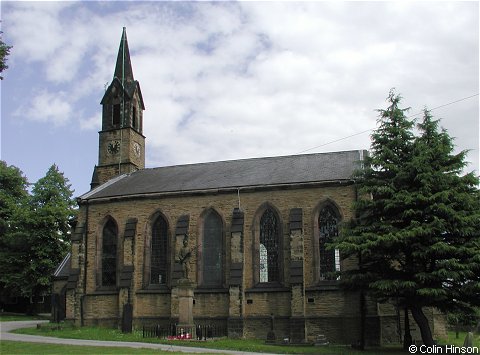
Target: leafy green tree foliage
13,193
4,52
38,240
52,208
52,201
13,202
417,228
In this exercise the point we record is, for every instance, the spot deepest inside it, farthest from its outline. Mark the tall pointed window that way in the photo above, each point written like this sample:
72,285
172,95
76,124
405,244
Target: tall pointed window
116,115
159,255
269,247
212,250
134,117
328,230
109,254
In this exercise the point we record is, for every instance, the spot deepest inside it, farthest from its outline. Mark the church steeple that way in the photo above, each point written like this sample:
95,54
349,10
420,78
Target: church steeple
121,142
123,68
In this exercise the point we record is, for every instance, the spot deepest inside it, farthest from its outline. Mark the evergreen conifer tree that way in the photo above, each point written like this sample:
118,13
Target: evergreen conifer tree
416,231
444,224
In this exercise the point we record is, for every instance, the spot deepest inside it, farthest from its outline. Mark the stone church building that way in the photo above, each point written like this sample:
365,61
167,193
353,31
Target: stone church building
256,230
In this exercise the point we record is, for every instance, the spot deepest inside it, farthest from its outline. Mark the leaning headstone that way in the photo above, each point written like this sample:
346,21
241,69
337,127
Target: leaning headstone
468,342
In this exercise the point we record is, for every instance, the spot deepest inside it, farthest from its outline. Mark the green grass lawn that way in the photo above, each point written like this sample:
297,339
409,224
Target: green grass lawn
15,347
461,337
99,333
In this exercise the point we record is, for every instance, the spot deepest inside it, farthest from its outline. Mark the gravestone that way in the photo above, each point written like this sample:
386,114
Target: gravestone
468,342
127,318
271,338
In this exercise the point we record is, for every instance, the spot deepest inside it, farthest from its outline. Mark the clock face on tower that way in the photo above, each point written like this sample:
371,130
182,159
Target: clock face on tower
137,150
113,147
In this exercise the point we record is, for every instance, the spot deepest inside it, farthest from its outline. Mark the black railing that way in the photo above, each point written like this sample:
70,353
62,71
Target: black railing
173,331
158,331
206,331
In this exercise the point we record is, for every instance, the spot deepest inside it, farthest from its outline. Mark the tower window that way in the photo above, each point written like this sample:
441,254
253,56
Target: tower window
134,118
116,115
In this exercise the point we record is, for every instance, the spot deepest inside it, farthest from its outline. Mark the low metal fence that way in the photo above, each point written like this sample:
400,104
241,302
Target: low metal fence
206,331
158,331
173,331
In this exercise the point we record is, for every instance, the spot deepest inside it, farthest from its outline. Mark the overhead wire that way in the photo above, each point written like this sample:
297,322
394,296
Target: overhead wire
371,129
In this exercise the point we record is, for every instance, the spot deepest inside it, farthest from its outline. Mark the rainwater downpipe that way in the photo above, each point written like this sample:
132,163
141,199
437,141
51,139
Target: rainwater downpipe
85,265
238,197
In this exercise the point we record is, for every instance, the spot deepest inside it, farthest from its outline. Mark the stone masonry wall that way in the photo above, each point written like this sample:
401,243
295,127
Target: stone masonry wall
257,305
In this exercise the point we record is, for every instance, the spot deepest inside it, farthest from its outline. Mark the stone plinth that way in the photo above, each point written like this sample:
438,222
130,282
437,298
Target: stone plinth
184,291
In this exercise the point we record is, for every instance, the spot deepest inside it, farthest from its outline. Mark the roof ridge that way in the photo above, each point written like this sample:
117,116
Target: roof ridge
253,159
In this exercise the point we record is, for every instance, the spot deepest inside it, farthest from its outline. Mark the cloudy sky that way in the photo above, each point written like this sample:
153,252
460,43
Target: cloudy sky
232,80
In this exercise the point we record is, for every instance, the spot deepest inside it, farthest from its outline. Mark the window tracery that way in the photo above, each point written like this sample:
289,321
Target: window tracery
159,253
212,250
328,230
269,247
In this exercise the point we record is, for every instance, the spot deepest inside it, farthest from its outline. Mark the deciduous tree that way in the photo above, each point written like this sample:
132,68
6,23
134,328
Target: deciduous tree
38,237
13,202
4,52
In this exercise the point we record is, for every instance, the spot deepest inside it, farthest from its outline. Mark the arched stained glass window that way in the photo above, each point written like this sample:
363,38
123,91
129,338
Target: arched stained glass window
212,250
269,247
109,254
159,260
329,258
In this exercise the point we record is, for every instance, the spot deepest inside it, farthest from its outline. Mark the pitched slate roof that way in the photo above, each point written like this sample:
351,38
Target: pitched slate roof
256,172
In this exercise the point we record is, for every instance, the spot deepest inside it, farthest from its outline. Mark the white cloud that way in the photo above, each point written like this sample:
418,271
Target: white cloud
48,107
228,80
91,123
36,28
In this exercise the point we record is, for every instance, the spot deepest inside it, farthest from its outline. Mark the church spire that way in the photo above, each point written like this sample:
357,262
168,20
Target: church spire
121,142
123,68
